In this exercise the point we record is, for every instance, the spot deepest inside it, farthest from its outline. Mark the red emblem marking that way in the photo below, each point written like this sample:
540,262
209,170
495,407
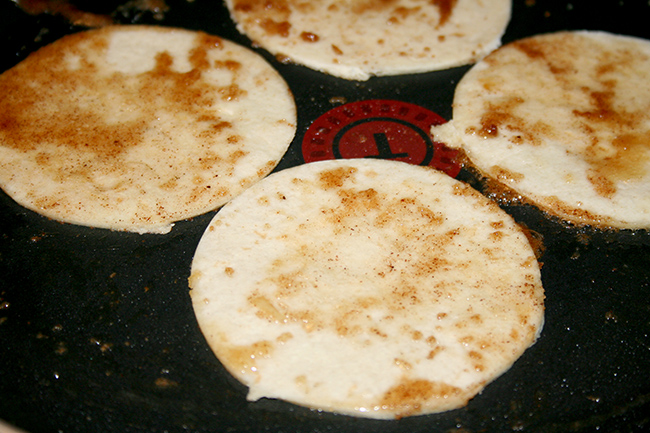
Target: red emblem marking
379,129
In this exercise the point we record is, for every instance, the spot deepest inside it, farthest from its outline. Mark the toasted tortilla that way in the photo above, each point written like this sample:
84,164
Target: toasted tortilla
563,120
135,127
366,287
359,38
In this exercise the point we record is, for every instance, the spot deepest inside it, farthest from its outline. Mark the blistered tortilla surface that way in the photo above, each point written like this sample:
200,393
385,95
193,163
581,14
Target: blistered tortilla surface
359,38
370,288
562,119
135,127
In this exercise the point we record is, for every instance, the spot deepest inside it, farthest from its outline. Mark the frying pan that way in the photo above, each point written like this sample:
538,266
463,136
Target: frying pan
97,332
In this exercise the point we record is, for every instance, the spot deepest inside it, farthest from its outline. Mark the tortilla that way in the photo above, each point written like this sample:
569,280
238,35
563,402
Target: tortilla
360,38
563,120
366,287
135,127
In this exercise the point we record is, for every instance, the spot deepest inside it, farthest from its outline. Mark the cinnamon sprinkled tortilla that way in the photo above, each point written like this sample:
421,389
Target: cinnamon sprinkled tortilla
134,127
359,38
562,119
366,287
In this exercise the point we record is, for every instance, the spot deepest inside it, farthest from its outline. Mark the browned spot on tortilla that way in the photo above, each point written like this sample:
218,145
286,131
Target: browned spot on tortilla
355,201
361,7
244,358
266,309
336,178
502,116
553,56
408,397
231,65
309,37
256,6
402,13
270,15
433,352
506,176
445,7
279,28
603,186
231,92
496,236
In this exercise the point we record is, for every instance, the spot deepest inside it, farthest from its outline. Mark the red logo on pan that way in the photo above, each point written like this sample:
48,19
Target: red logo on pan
383,129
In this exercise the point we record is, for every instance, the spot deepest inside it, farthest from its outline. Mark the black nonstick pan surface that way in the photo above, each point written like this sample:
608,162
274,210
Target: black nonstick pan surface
97,332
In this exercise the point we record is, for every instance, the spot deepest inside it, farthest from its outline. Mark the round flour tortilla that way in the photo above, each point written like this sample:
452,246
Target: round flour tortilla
562,119
135,127
366,287
357,39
